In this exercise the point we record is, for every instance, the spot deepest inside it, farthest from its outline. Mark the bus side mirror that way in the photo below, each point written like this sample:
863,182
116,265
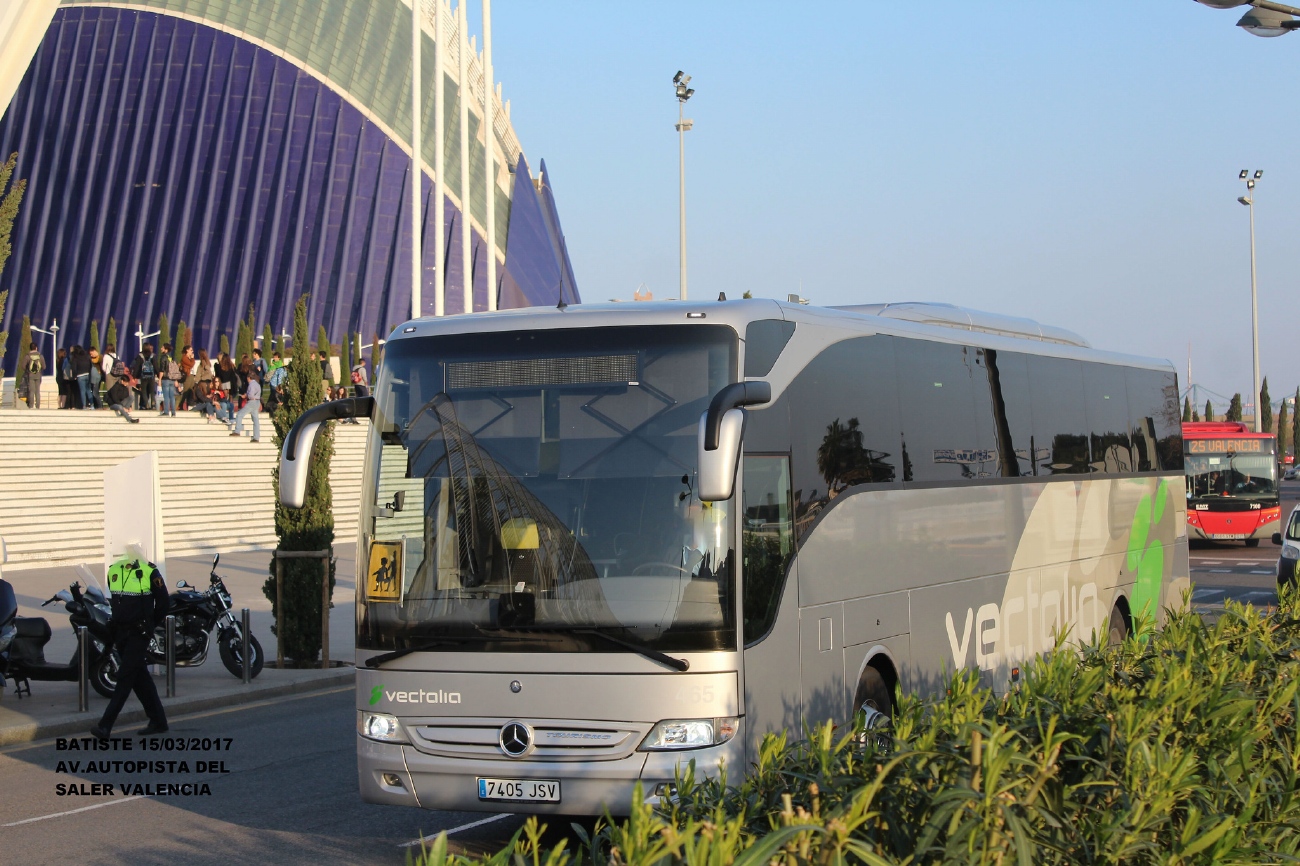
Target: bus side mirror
295,455
1277,538
722,430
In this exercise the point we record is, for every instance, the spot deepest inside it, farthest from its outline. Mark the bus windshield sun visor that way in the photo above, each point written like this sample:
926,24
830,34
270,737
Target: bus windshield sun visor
293,471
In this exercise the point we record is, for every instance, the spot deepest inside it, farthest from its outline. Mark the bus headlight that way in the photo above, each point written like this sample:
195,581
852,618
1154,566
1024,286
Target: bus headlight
379,726
1290,552
689,734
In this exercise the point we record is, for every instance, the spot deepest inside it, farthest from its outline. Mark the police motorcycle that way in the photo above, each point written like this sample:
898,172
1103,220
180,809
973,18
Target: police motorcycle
197,613
23,640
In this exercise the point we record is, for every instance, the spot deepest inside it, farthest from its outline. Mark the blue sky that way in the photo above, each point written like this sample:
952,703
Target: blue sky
1074,162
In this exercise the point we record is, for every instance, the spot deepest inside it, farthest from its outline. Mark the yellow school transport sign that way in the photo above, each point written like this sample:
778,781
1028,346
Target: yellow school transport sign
384,574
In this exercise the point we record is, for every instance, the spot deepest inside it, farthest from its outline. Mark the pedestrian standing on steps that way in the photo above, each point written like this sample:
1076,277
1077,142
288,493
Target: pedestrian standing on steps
108,364
33,367
96,377
171,374
63,376
139,601
252,407
81,374
144,369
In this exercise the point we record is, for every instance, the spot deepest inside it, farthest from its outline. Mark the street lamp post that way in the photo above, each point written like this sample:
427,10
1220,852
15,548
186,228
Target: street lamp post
141,336
680,81
1249,201
53,332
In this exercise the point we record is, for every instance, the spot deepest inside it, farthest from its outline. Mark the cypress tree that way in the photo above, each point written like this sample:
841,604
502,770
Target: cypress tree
180,342
345,361
94,334
8,212
4,335
110,336
1234,408
164,331
1295,423
225,345
356,349
1187,408
1209,411
310,527
1283,431
268,342
1265,408
244,342
1196,415
189,338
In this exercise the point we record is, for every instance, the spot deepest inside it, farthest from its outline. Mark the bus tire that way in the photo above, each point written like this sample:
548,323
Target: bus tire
1118,627
1252,542
873,709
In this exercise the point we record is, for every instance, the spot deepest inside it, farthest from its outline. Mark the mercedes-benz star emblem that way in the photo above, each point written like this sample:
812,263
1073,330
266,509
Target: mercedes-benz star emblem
516,686
515,739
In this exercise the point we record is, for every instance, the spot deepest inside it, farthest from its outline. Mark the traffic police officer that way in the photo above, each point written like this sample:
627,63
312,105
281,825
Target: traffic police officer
139,600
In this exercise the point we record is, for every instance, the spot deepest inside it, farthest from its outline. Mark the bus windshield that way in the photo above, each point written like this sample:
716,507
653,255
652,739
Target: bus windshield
534,491
1243,468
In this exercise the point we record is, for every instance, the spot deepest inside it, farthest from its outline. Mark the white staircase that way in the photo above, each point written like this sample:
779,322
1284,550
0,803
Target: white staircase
216,490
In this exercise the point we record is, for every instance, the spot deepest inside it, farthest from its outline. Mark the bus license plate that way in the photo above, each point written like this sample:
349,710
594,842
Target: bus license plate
520,790
1227,536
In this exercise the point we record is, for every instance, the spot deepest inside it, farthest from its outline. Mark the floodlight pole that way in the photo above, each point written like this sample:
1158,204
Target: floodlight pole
466,221
439,158
683,94
141,336
1249,201
417,176
489,139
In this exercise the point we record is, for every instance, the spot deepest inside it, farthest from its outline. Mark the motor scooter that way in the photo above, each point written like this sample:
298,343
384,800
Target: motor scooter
23,640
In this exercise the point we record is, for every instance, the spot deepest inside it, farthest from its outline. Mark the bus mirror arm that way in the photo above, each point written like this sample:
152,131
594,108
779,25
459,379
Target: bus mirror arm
295,456
722,429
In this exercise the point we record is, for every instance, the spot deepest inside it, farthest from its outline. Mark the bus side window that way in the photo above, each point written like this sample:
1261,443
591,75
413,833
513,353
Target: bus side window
767,539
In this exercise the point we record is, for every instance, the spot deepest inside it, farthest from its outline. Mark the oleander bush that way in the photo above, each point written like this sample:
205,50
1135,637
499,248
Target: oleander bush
1177,747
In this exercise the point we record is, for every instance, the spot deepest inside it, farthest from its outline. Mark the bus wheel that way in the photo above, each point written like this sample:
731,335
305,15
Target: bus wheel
1118,627
1252,542
873,709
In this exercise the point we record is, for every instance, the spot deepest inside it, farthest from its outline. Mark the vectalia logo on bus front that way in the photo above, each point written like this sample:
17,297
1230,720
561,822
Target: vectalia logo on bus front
380,693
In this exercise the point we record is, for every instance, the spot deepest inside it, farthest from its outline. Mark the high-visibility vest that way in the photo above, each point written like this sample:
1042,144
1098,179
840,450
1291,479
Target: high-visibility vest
131,576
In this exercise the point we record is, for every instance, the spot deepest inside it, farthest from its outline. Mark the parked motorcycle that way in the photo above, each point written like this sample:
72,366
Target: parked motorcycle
197,614
23,640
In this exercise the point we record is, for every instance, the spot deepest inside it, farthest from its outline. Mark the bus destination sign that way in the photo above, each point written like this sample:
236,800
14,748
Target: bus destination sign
1224,446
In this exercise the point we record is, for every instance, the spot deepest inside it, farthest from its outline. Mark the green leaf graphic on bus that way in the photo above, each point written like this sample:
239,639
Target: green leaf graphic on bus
376,694
1146,555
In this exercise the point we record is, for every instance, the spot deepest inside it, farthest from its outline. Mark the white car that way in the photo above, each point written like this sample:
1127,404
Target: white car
1290,473
1289,539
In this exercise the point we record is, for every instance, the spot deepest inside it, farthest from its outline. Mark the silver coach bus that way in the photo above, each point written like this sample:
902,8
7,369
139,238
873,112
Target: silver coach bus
598,542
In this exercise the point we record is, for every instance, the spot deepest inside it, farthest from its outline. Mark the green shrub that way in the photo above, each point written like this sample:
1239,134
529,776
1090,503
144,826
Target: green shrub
1177,747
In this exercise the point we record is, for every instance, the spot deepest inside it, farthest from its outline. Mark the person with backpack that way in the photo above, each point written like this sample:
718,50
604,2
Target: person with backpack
275,384
171,378
33,367
259,364
109,363
143,370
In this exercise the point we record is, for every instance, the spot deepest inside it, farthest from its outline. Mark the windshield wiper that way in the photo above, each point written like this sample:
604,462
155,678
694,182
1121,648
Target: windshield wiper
376,661
652,654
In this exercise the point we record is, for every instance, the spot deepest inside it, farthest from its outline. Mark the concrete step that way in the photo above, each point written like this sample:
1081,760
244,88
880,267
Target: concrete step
217,493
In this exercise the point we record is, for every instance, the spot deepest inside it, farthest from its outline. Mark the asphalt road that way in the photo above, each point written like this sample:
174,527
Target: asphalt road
1230,570
288,794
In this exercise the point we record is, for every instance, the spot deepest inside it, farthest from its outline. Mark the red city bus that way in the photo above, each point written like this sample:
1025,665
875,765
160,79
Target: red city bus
1232,482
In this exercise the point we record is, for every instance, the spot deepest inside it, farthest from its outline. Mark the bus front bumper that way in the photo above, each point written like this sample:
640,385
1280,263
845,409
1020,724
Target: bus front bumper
586,788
